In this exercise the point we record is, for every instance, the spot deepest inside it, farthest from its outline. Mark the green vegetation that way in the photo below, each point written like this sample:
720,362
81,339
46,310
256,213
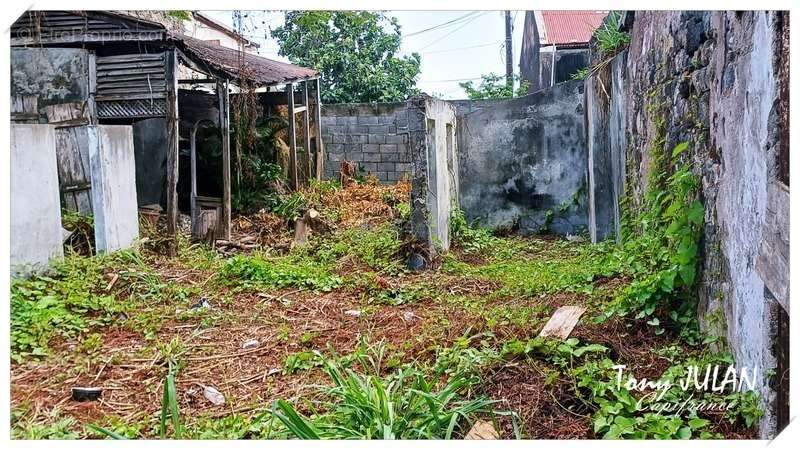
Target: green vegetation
355,53
493,86
402,405
610,38
263,273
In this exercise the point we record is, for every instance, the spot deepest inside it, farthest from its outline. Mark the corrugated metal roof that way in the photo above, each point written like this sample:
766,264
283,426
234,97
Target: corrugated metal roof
263,71
569,27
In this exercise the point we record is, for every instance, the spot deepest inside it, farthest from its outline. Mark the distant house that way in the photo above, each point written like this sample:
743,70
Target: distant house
204,28
555,45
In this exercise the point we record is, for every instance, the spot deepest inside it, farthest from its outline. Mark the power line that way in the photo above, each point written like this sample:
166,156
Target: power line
449,22
450,81
462,26
463,48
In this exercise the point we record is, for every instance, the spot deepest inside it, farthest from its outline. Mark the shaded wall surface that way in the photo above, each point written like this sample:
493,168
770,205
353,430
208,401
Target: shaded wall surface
373,135
42,77
713,80
36,235
522,161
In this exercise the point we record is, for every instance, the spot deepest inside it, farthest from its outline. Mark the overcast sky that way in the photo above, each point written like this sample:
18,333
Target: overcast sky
467,48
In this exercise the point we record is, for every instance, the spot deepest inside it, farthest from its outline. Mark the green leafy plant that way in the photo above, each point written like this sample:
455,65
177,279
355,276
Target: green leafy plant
469,238
493,86
255,271
609,36
355,52
402,405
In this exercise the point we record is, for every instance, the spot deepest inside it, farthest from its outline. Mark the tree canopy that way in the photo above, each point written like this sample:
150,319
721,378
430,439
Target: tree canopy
354,51
494,86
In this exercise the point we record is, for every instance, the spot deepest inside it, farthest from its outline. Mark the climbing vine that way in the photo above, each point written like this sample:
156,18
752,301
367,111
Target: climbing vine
660,243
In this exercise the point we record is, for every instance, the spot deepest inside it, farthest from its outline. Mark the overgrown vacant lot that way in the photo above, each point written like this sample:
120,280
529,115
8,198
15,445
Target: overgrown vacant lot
352,344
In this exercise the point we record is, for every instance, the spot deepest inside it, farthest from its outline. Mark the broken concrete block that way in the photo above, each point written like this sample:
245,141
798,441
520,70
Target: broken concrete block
482,430
250,343
562,322
213,395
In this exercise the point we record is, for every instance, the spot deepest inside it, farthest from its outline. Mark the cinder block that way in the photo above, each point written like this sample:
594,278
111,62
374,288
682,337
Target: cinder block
354,156
389,157
335,157
395,139
339,139
388,148
379,129
356,139
371,148
367,120
382,176
377,138
370,167
402,167
375,157
385,167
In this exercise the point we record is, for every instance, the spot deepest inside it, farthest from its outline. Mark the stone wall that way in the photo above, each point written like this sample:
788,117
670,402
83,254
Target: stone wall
712,79
523,161
374,135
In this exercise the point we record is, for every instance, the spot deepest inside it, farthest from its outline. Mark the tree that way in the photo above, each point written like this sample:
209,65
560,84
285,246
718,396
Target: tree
494,86
353,52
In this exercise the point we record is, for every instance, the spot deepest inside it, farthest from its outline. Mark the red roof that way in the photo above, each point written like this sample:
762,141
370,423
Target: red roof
569,27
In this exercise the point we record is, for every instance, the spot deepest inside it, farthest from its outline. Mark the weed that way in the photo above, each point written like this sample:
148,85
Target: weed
609,36
260,273
403,405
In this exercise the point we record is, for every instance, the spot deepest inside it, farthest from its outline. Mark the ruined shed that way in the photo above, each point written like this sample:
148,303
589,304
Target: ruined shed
102,67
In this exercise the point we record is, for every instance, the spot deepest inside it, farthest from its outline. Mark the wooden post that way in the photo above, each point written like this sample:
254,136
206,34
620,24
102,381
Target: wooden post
224,124
318,124
193,174
306,132
292,136
172,145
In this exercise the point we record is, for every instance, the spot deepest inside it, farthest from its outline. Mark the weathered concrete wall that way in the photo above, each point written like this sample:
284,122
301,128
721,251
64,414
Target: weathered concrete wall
36,235
710,79
373,135
523,162
41,77
434,190
113,169
606,146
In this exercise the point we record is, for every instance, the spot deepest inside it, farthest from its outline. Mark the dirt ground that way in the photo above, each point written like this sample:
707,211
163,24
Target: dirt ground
468,294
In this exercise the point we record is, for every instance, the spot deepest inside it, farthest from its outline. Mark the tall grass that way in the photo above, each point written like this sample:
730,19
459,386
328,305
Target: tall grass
609,37
402,405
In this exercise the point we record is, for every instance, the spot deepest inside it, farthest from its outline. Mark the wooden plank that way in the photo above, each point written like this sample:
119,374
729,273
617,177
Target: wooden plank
306,133
772,263
292,136
320,150
74,178
562,322
91,102
173,137
74,113
224,120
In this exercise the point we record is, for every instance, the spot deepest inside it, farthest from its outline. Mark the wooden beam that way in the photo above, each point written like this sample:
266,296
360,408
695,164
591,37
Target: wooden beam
224,121
299,109
318,125
306,134
292,136
173,136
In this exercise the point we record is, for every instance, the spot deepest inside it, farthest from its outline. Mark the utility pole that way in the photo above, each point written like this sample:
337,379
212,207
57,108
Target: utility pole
509,52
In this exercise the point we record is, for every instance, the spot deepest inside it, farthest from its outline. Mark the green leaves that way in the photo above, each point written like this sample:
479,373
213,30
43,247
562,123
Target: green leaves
169,406
354,51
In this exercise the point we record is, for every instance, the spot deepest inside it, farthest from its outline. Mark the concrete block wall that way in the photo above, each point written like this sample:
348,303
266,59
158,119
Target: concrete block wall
373,135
